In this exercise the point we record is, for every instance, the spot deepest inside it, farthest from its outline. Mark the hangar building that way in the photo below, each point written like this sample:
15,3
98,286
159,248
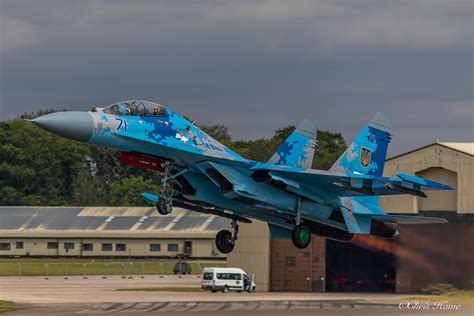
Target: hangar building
424,254
107,232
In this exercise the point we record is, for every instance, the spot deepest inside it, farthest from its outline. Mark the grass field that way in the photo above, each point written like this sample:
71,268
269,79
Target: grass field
69,267
6,306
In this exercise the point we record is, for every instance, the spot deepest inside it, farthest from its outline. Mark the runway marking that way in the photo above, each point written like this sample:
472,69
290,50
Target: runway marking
224,306
114,306
126,308
190,308
159,307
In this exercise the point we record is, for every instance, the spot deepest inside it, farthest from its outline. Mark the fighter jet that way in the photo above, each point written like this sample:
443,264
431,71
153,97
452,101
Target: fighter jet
203,175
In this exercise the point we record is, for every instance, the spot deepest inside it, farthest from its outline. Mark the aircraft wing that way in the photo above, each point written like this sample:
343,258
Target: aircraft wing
309,181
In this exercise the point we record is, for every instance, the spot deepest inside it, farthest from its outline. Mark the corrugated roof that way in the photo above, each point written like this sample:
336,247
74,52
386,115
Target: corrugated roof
105,222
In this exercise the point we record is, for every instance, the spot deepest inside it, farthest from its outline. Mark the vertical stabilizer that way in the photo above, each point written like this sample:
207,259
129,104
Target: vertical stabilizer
298,148
366,155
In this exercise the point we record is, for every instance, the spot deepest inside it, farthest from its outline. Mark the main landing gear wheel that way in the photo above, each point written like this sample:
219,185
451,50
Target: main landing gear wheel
301,236
224,242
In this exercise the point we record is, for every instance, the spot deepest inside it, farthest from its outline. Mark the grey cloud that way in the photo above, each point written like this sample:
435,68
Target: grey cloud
16,34
251,65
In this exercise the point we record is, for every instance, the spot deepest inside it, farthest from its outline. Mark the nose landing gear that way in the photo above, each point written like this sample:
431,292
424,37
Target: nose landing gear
165,203
225,240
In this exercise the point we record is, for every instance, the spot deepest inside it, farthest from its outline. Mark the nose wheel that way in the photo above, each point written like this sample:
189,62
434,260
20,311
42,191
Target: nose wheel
225,240
164,206
165,203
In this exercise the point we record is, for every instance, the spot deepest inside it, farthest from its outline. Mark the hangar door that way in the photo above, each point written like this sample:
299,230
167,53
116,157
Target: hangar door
439,200
297,270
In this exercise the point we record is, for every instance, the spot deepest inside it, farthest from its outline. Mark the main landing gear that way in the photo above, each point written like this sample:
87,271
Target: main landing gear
301,234
225,240
165,203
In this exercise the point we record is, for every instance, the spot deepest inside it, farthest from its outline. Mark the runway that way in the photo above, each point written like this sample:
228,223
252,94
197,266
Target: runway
97,296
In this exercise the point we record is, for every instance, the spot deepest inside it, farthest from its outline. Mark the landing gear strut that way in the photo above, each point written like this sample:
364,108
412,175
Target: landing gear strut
165,203
225,240
301,234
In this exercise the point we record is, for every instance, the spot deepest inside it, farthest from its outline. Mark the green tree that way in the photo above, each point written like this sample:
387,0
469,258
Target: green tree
37,168
330,147
127,192
218,132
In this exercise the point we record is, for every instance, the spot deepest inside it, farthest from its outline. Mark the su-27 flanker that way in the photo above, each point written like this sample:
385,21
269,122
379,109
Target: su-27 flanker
201,174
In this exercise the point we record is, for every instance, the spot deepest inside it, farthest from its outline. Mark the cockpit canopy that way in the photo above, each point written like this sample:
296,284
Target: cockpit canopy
136,108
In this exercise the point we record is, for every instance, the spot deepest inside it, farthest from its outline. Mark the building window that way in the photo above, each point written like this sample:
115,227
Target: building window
5,246
19,245
52,245
68,245
87,247
120,247
155,247
106,247
172,247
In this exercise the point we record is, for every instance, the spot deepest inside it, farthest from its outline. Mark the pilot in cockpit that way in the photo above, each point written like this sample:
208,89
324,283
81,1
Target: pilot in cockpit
136,108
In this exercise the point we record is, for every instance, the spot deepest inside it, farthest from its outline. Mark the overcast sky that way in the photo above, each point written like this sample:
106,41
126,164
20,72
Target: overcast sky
253,66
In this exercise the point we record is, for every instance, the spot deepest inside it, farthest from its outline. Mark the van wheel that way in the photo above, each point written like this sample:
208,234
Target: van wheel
225,289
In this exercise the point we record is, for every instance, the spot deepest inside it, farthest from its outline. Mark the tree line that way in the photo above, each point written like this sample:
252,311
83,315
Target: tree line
37,168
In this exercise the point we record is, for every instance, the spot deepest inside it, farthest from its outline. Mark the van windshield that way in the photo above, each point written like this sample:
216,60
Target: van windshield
208,275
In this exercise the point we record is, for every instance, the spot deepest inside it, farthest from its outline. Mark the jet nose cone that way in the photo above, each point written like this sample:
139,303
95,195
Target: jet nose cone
73,125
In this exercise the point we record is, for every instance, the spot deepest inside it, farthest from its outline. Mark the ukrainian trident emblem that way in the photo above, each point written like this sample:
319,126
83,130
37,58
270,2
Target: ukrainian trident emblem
365,156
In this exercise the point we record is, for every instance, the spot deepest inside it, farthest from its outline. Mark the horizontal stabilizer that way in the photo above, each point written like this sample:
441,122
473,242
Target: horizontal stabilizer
406,219
425,184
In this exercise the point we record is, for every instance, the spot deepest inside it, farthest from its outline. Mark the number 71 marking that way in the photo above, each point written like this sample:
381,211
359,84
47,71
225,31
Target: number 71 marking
123,123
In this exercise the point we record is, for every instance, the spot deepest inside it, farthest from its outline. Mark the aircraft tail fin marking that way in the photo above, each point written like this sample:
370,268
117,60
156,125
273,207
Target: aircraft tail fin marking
298,149
366,155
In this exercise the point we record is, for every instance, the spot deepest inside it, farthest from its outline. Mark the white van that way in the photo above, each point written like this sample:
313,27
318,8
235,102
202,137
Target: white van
225,279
